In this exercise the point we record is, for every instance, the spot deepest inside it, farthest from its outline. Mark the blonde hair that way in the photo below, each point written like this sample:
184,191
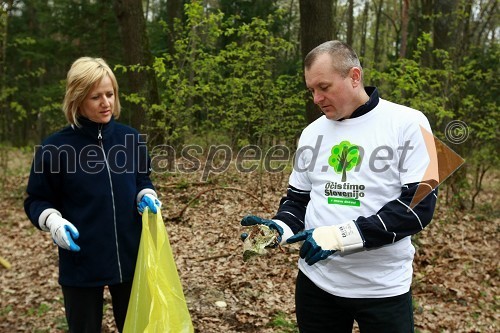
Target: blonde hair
83,75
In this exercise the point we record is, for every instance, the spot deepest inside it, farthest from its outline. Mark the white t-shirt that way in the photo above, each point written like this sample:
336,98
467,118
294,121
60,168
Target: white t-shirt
353,168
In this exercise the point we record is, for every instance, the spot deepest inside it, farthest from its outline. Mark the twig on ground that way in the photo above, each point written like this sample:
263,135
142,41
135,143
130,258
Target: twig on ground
181,212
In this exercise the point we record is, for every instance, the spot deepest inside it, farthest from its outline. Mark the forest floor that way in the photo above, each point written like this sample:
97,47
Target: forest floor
456,267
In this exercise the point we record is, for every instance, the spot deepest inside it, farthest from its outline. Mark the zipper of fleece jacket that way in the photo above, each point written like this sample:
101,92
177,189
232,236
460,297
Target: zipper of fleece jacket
99,137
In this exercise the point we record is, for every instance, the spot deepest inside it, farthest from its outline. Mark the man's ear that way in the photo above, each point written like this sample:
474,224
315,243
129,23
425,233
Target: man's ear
356,75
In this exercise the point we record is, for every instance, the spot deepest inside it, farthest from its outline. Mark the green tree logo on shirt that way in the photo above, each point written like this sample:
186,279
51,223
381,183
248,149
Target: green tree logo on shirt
345,156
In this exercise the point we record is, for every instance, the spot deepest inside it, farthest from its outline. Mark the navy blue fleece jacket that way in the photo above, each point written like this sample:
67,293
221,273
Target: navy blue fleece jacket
93,175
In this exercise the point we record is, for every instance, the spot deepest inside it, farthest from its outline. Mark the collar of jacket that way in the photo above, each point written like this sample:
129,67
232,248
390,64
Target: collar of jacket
91,129
369,105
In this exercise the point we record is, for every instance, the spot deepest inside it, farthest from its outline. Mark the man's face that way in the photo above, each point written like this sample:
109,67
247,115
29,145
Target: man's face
334,94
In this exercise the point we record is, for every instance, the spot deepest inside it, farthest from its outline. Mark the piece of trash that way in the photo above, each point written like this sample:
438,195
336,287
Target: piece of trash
220,304
259,237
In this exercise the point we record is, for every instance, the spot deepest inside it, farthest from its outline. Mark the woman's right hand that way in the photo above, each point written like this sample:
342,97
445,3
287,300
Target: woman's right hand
63,232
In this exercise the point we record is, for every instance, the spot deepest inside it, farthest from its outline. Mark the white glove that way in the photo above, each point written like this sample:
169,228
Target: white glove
322,242
342,237
63,232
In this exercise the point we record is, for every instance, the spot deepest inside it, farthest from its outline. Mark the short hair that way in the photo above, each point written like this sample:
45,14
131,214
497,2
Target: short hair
84,73
343,56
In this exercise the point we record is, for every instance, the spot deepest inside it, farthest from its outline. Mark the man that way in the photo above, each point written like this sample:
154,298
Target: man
349,200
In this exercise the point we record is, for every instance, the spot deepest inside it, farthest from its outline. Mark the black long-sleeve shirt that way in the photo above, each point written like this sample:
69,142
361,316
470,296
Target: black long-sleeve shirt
394,221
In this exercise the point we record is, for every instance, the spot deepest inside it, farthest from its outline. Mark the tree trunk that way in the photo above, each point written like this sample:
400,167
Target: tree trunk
378,19
135,43
444,31
487,23
4,24
174,12
316,27
404,28
335,16
350,22
425,26
364,30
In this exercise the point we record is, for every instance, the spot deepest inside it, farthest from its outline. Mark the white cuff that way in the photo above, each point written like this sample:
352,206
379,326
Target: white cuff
349,237
287,232
145,191
42,219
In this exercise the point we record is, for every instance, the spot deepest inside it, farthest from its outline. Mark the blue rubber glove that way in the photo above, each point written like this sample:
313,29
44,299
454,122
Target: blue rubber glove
322,242
63,232
150,201
250,220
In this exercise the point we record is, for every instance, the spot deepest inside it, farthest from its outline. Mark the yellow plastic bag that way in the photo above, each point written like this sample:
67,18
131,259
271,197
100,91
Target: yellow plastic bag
157,303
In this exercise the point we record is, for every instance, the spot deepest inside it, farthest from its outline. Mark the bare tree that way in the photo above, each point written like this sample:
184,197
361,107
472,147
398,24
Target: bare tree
350,21
424,23
444,29
378,19
174,12
404,27
5,8
364,29
487,24
316,27
136,49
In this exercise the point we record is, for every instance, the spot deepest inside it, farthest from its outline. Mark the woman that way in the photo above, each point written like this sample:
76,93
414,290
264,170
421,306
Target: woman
88,185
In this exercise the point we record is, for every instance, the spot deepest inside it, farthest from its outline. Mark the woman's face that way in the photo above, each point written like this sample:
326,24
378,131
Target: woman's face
99,103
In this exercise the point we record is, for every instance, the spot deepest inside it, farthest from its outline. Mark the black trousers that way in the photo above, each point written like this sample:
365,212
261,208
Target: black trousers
84,307
320,312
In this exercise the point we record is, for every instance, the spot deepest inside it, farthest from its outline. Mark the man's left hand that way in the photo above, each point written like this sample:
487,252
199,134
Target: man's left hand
321,242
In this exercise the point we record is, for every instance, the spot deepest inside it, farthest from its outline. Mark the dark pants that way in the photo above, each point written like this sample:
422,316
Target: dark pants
84,307
321,312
